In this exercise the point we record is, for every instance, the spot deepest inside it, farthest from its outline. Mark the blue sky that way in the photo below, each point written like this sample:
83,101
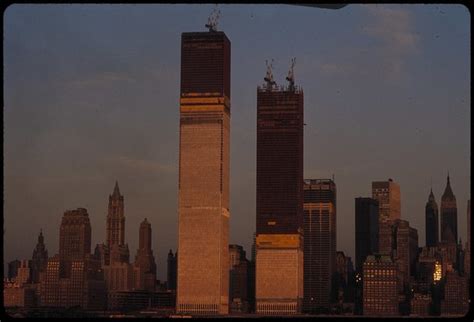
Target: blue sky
91,96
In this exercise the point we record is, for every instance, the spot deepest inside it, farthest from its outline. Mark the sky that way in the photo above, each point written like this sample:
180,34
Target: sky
91,96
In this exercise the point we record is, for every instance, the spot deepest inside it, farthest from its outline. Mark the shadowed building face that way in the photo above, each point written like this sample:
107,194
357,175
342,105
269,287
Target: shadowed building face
203,264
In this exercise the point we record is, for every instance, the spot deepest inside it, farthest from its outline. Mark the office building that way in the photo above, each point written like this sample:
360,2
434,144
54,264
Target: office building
75,235
319,244
387,193
456,295
449,213
172,270
39,260
366,229
380,295
238,280
279,243
144,260
431,221
204,151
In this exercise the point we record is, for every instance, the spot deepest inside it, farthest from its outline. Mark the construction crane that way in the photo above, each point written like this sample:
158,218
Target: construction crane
291,75
213,20
269,76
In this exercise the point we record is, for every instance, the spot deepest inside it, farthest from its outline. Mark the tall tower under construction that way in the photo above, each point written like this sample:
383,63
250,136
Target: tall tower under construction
203,201
279,244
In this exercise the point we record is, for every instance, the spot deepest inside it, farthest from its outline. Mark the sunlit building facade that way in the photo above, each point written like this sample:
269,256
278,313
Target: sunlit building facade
204,150
279,242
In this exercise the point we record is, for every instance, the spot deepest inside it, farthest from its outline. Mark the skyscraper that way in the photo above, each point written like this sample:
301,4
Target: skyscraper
116,219
367,229
115,231
144,260
380,294
449,215
75,235
279,244
171,270
203,201
431,221
387,194
319,243
238,279
39,259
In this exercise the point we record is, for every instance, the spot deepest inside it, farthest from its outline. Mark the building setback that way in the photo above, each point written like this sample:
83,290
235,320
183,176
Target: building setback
319,243
279,244
387,194
366,229
203,201
431,221
449,215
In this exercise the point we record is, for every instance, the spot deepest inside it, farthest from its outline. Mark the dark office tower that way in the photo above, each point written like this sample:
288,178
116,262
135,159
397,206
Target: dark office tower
13,268
203,202
144,260
367,229
388,195
39,260
279,247
238,279
319,243
171,271
75,235
405,244
431,221
449,213
456,295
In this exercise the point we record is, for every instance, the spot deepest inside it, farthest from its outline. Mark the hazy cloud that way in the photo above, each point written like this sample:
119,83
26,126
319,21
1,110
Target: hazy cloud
394,30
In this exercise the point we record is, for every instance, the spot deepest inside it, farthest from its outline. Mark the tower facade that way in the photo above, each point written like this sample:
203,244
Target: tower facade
279,243
319,244
387,194
144,260
39,259
115,219
203,201
431,221
367,229
75,235
449,215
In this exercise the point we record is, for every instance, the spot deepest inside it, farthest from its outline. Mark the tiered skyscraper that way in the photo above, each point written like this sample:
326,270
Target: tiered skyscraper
449,215
203,201
279,243
431,221
319,244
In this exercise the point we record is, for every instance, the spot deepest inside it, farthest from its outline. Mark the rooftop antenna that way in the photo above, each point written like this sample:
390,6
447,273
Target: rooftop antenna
269,76
291,75
213,20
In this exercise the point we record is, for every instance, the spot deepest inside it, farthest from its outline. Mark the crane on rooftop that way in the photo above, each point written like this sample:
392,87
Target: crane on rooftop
213,20
269,76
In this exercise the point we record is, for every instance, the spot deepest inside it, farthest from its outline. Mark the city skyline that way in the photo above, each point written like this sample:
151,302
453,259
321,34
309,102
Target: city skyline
156,199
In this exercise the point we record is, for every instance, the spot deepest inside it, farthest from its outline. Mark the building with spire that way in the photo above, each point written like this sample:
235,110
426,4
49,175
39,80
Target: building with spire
204,168
39,260
431,221
145,267
114,255
449,213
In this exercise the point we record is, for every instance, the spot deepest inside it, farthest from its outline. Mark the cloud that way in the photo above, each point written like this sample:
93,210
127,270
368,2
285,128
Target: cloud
393,28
